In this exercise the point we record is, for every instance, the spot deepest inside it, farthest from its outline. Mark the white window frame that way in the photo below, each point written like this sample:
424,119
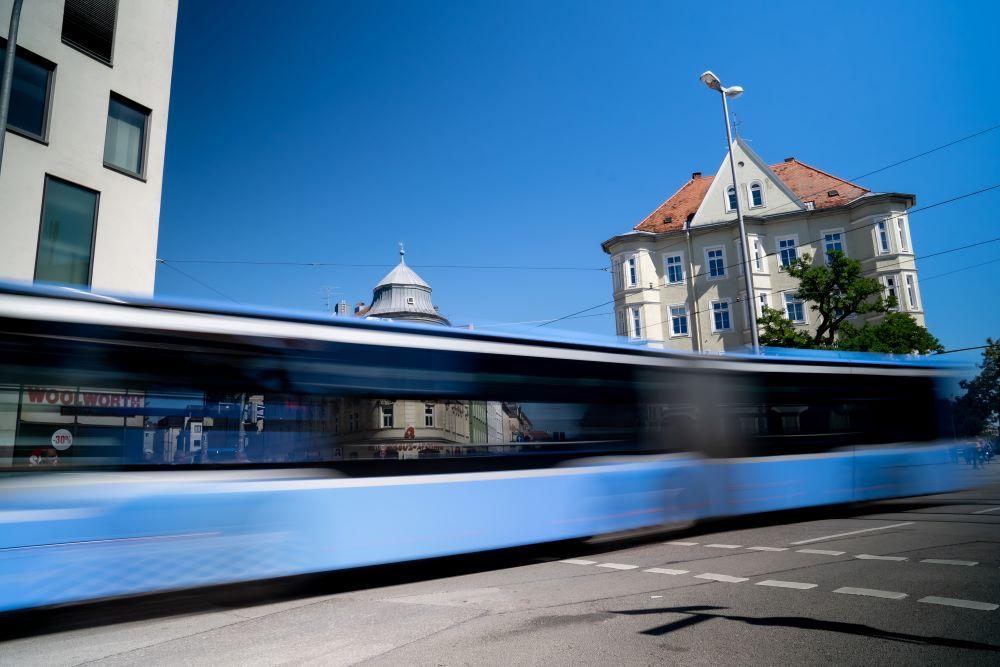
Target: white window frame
763,200
843,241
708,264
621,330
666,268
777,248
633,319
388,411
883,242
630,266
912,292
729,204
897,284
429,415
785,296
763,299
758,254
729,310
903,239
687,320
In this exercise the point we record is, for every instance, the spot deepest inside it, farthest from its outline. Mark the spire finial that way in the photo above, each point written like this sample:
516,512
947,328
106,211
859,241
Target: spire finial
402,253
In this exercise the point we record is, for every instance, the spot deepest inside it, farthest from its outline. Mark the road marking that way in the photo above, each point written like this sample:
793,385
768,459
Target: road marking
785,584
871,557
992,509
721,577
664,570
653,597
767,548
871,592
724,546
579,561
945,561
683,544
821,552
853,532
952,602
618,566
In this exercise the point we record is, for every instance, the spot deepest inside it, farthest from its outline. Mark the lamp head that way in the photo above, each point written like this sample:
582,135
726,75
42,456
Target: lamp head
733,91
712,81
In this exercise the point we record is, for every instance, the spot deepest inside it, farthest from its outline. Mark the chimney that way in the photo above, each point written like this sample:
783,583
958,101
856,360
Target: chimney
695,175
789,159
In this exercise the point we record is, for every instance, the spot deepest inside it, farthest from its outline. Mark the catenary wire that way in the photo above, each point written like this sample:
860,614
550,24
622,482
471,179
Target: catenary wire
192,278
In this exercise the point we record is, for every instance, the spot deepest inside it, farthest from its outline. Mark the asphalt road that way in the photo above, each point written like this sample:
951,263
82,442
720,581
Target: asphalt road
909,581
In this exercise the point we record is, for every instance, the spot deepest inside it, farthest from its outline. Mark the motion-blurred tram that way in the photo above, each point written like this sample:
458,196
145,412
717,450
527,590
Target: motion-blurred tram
148,447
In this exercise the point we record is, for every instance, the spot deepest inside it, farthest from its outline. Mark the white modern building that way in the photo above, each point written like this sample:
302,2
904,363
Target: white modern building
678,275
82,168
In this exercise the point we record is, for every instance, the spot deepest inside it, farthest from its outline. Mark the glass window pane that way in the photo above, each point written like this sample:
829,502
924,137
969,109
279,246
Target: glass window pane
27,96
67,233
124,138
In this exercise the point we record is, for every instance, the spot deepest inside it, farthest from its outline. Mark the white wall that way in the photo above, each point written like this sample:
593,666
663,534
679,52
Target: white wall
129,209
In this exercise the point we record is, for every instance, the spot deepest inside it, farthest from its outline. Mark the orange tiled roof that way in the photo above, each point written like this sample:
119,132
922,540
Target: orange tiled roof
808,184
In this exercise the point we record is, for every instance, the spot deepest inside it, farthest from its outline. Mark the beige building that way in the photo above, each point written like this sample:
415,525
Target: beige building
678,275
86,135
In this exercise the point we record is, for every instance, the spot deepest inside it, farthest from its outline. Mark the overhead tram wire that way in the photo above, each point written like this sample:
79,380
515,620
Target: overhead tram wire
193,279
356,265
962,349
964,268
819,240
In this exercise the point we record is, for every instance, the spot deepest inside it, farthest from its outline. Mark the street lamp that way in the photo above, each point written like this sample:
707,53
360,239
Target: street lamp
7,77
713,82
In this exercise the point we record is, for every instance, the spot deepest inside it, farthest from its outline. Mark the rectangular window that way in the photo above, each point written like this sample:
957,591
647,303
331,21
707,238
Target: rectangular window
29,93
631,272
911,291
788,250
674,269
678,321
387,414
721,320
902,235
715,258
882,237
125,139
795,309
89,25
620,329
429,415
66,237
759,261
833,240
891,287
635,323
763,301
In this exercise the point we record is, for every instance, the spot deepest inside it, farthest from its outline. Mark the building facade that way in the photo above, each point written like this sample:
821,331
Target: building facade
678,275
82,168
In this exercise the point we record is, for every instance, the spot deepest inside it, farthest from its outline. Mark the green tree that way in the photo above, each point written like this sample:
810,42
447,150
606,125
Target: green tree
979,407
897,333
835,290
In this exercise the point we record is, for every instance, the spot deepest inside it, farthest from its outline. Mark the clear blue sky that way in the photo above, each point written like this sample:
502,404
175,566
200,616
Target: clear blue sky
525,133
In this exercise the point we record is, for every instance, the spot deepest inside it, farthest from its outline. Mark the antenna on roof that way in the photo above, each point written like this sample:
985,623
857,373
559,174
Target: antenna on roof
402,253
736,124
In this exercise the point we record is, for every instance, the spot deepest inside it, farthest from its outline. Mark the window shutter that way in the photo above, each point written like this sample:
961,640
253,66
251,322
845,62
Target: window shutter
89,25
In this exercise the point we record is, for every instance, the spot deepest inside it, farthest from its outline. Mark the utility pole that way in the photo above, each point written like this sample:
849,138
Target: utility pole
8,72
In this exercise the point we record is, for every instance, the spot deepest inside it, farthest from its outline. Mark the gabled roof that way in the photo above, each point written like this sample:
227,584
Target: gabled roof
673,213
807,183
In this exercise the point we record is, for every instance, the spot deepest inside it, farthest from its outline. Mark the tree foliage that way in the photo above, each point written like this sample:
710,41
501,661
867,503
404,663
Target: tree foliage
836,290
979,407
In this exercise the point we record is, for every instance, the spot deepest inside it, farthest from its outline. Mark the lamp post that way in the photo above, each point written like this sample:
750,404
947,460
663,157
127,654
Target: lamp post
714,83
8,71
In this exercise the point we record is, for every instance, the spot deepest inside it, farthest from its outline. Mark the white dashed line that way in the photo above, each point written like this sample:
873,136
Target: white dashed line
966,604
579,561
664,570
821,552
767,548
683,544
871,592
992,509
786,584
853,532
871,557
618,566
724,546
721,577
945,561
653,597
